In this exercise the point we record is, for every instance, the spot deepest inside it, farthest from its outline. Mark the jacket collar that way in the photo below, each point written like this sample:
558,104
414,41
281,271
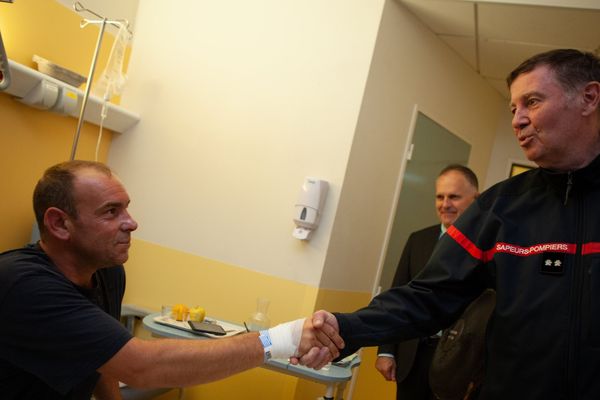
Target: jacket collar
575,182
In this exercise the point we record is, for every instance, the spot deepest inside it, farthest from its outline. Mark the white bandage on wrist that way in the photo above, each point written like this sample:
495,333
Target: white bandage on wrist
285,338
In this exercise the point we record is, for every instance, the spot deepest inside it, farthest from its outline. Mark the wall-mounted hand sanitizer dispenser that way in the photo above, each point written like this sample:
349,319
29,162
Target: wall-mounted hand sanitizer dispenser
309,207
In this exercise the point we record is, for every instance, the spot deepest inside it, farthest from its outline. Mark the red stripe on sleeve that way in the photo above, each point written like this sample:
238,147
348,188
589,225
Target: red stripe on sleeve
469,246
590,248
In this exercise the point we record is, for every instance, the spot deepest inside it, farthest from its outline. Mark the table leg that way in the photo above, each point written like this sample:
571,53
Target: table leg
339,395
334,391
329,392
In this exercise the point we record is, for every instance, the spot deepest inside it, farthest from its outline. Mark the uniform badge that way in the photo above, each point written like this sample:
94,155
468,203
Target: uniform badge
553,263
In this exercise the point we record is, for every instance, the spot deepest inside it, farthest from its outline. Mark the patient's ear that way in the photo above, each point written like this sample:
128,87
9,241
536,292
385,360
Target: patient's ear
56,222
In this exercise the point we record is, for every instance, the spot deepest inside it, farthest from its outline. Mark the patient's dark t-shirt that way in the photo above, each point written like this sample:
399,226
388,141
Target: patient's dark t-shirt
54,335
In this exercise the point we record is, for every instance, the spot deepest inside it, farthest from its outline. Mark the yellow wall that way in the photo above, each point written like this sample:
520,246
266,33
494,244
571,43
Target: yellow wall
273,105
32,140
158,275
52,31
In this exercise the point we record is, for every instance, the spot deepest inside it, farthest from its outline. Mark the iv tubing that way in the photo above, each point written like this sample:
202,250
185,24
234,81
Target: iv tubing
102,118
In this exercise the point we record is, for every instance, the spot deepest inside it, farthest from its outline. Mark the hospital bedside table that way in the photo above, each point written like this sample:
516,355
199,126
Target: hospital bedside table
335,377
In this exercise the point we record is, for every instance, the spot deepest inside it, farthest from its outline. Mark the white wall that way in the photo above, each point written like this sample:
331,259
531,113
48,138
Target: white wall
239,101
410,66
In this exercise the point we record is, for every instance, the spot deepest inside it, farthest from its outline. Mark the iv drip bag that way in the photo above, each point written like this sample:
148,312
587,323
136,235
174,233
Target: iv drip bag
112,80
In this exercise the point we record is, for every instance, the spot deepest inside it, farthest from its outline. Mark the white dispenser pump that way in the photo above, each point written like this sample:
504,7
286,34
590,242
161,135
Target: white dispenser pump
309,207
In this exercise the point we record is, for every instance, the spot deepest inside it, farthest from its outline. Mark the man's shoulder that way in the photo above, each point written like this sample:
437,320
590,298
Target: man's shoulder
433,230
20,265
513,187
28,256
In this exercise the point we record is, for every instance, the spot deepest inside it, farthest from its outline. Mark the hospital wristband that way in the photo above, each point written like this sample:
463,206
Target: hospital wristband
285,338
265,340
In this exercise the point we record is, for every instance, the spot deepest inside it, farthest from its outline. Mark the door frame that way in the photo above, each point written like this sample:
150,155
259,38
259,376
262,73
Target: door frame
391,217
398,190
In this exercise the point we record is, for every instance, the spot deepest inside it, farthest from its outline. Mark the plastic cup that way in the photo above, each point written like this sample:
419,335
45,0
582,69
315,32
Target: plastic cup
165,311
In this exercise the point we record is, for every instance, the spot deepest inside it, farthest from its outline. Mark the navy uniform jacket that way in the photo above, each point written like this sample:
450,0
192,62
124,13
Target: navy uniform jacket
535,239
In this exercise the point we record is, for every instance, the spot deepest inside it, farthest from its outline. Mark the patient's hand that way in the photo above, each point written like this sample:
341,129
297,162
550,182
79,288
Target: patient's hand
320,342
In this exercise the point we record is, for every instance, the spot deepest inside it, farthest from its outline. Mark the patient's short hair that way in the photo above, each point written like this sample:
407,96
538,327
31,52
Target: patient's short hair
55,188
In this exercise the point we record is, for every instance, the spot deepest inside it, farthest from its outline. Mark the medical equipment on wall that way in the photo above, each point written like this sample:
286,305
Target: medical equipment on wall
309,207
112,79
4,69
52,95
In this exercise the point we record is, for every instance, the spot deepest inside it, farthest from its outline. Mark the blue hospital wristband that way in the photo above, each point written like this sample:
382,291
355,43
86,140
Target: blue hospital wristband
265,339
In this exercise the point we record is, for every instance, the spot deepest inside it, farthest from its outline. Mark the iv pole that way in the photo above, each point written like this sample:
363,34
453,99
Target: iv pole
87,89
77,6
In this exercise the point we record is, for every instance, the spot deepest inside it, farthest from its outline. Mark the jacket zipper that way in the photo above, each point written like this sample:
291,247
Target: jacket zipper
576,296
569,186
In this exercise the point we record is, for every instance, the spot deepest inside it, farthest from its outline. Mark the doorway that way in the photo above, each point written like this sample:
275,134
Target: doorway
433,148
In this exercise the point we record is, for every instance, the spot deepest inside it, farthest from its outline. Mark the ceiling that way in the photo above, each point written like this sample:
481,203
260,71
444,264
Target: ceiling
493,37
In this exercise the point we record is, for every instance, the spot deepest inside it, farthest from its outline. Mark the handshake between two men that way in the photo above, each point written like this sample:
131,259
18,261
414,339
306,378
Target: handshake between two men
316,340
85,226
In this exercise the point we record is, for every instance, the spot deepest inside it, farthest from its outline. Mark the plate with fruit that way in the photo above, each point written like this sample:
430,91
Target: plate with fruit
180,316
